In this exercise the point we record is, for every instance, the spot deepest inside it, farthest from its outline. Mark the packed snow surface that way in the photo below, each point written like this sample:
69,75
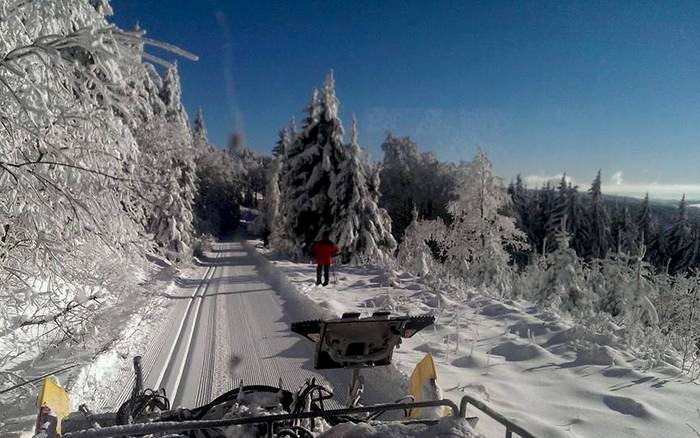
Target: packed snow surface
551,378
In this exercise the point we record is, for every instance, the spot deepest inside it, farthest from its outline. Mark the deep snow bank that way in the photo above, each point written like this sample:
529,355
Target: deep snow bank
553,379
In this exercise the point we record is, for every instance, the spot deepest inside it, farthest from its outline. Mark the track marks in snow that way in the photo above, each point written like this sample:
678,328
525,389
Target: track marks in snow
240,332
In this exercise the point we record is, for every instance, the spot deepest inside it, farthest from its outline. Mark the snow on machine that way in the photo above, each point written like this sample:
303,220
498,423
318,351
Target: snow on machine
350,342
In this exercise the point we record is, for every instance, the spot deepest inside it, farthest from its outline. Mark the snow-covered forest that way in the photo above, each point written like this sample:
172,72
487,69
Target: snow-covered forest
100,172
575,252
103,175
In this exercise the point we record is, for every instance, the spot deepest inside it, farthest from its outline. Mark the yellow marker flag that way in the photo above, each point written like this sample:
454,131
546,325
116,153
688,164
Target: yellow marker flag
54,404
424,387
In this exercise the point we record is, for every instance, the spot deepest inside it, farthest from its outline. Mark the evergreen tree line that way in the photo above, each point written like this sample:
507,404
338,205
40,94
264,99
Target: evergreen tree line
597,230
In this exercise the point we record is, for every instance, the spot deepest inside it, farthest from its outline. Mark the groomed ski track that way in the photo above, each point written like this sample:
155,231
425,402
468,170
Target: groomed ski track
227,327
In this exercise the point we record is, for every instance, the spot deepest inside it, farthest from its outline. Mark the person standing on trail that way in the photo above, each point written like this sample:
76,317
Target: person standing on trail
324,250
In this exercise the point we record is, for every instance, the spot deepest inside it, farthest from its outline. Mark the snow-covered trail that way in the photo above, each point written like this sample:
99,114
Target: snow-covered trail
229,326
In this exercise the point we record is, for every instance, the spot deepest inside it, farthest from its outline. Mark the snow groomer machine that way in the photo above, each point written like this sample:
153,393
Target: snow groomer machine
350,342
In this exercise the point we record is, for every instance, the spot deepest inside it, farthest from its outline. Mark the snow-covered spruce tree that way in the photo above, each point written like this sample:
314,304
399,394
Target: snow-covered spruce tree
576,222
559,209
660,251
280,237
375,223
312,159
200,135
168,160
361,229
625,232
568,202
644,223
679,239
284,240
599,237
70,249
626,290
611,279
283,142
479,236
562,284
539,208
267,219
691,257
346,195
519,199
518,209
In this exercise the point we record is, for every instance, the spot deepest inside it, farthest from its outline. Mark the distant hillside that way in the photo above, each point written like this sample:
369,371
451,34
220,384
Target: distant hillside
664,210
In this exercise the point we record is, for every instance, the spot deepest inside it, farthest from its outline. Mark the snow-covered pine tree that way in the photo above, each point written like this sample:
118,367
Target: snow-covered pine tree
599,235
576,221
626,234
292,189
268,220
643,222
280,148
169,160
540,210
519,208
659,250
519,197
361,229
679,239
563,284
558,210
623,286
171,96
691,257
292,129
167,144
346,195
199,132
375,223
312,159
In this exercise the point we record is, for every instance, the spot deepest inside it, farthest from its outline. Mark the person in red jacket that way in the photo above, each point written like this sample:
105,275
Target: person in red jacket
324,250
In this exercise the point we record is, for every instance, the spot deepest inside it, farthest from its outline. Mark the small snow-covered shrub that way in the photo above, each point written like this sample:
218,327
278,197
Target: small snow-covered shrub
415,254
562,283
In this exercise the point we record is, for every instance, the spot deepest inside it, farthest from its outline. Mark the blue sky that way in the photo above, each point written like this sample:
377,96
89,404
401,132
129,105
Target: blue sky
544,87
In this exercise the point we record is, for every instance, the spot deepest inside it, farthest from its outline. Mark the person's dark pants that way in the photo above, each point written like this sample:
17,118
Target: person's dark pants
325,274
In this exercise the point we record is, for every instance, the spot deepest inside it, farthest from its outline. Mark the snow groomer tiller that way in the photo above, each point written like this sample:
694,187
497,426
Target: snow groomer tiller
351,342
